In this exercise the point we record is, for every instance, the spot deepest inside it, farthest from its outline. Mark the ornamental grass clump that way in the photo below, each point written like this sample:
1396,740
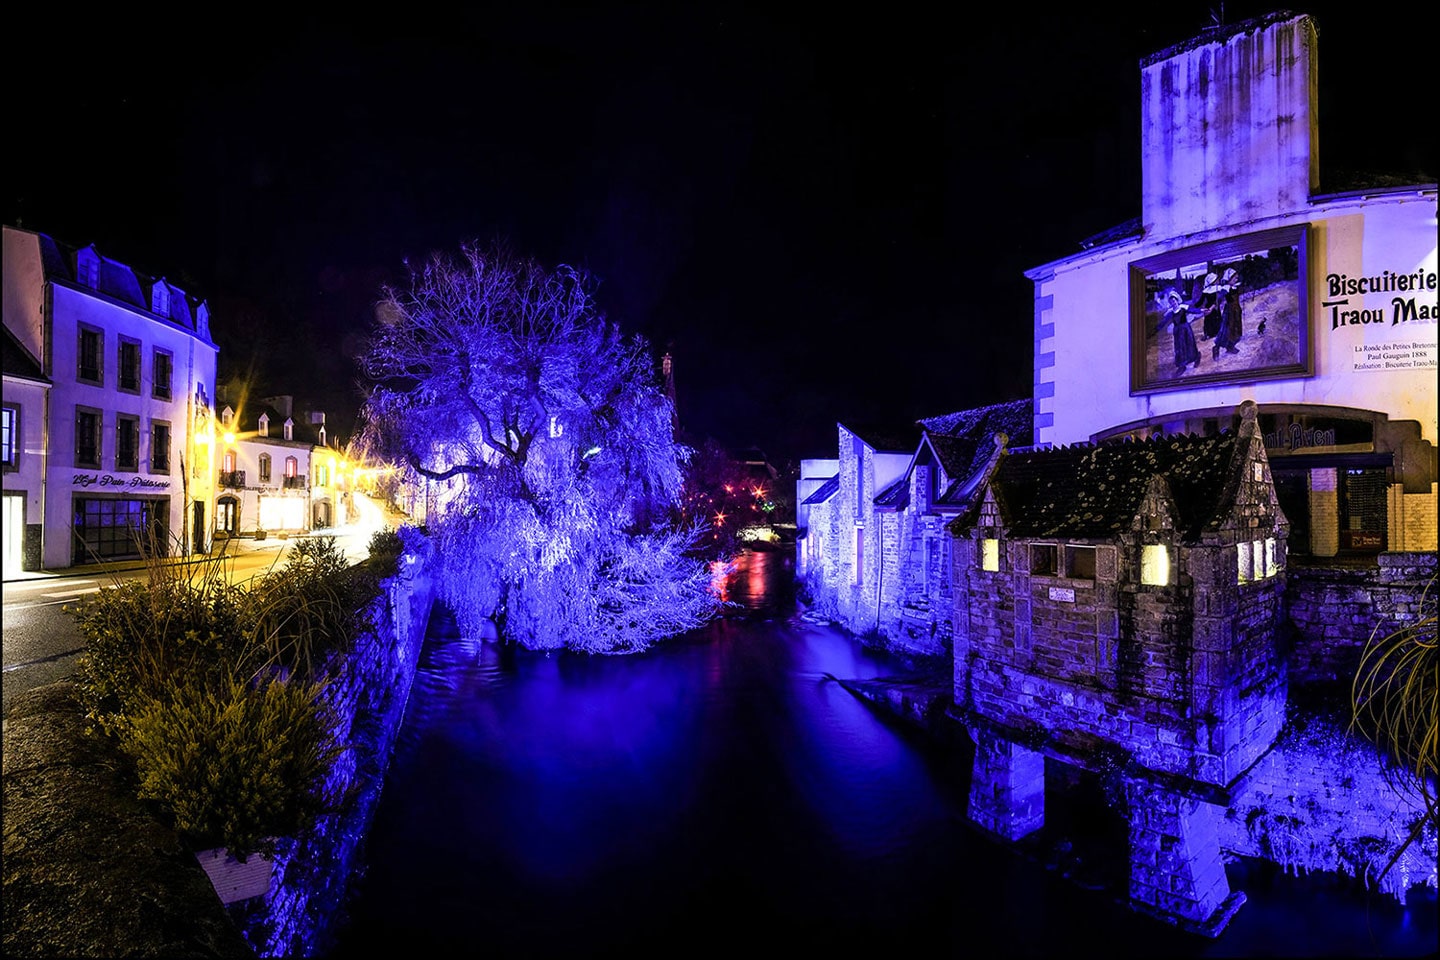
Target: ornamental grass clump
1395,701
309,609
235,766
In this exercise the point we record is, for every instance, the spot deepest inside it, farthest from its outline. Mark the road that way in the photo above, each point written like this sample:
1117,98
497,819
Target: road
41,641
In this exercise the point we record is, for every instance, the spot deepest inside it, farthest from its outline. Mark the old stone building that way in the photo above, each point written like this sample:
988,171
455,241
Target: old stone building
1117,608
883,513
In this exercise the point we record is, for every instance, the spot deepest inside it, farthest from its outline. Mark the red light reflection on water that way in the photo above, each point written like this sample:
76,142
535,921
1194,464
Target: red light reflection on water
721,573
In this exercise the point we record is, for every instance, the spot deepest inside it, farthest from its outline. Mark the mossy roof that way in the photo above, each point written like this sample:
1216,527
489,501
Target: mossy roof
1093,491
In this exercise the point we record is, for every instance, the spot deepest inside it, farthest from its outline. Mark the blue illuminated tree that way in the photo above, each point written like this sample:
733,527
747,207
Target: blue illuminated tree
548,441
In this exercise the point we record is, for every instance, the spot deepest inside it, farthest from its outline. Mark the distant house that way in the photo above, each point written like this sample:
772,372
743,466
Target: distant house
842,542
1120,606
264,480
126,443
875,555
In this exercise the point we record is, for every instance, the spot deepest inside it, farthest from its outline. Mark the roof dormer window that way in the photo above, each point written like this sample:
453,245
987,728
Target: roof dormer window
87,263
160,298
322,436
264,424
289,429
226,416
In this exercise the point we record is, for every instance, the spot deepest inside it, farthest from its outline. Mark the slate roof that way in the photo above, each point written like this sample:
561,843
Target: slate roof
887,439
896,496
1093,491
825,491
19,362
117,280
247,424
963,441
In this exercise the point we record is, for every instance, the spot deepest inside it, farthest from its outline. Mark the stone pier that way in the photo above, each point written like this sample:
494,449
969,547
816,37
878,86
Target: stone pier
1176,870
1007,789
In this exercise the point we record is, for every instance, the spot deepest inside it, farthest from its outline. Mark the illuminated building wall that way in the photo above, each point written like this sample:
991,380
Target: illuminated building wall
132,367
1339,351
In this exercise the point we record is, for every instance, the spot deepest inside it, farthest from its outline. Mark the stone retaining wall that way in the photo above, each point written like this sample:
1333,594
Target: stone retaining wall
305,908
1333,610
90,871
1324,800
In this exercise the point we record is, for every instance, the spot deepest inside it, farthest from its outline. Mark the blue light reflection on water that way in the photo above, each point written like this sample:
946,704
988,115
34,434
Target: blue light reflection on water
722,792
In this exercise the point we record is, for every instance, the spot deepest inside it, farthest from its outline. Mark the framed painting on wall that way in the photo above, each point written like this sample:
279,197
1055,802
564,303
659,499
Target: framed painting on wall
1229,311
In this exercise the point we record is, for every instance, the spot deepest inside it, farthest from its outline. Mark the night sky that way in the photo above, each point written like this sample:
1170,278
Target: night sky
825,216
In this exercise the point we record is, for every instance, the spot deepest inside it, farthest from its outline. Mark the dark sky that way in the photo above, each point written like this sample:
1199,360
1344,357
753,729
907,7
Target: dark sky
826,215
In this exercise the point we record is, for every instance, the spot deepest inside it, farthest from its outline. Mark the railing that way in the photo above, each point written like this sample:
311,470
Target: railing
232,478
294,483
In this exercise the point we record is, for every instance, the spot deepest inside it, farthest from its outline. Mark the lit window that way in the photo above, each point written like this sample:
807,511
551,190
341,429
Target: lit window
291,466
1271,567
1155,565
1242,562
264,425
1257,470
859,555
289,429
264,467
1257,559
989,554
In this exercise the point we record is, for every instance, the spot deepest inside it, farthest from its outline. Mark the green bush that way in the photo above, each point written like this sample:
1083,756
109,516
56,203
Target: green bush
140,636
234,767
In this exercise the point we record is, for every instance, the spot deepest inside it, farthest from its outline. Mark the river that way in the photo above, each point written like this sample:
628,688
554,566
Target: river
723,793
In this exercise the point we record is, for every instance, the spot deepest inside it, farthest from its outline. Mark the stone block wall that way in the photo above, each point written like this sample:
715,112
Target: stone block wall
301,914
1326,800
1333,611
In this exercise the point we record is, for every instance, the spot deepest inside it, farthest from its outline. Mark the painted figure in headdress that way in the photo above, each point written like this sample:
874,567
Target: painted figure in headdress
1177,315
1231,323
1208,303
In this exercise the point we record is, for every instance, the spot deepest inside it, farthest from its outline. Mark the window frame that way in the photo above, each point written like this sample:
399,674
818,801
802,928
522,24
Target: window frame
155,447
168,392
264,467
81,330
10,446
1049,565
124,342
1074,551
133,465
97,436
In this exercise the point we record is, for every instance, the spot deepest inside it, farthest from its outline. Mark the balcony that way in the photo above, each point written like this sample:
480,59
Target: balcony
232,478
294,483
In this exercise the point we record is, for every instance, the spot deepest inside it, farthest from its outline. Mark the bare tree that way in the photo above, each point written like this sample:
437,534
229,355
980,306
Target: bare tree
551,439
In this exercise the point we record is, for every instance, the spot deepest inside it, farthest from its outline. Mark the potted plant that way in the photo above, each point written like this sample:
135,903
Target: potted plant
236,766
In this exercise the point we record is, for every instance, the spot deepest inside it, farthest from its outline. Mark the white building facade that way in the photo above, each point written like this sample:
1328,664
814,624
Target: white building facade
128,434
1332,298
263,479
24,434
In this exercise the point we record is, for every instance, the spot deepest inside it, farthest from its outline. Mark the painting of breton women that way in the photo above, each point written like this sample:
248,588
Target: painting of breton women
1177,318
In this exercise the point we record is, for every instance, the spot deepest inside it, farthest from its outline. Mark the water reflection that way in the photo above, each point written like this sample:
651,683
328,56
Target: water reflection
722,793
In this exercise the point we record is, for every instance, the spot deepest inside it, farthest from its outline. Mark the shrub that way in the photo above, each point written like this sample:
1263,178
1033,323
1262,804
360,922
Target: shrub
312,607
236,766
139,636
